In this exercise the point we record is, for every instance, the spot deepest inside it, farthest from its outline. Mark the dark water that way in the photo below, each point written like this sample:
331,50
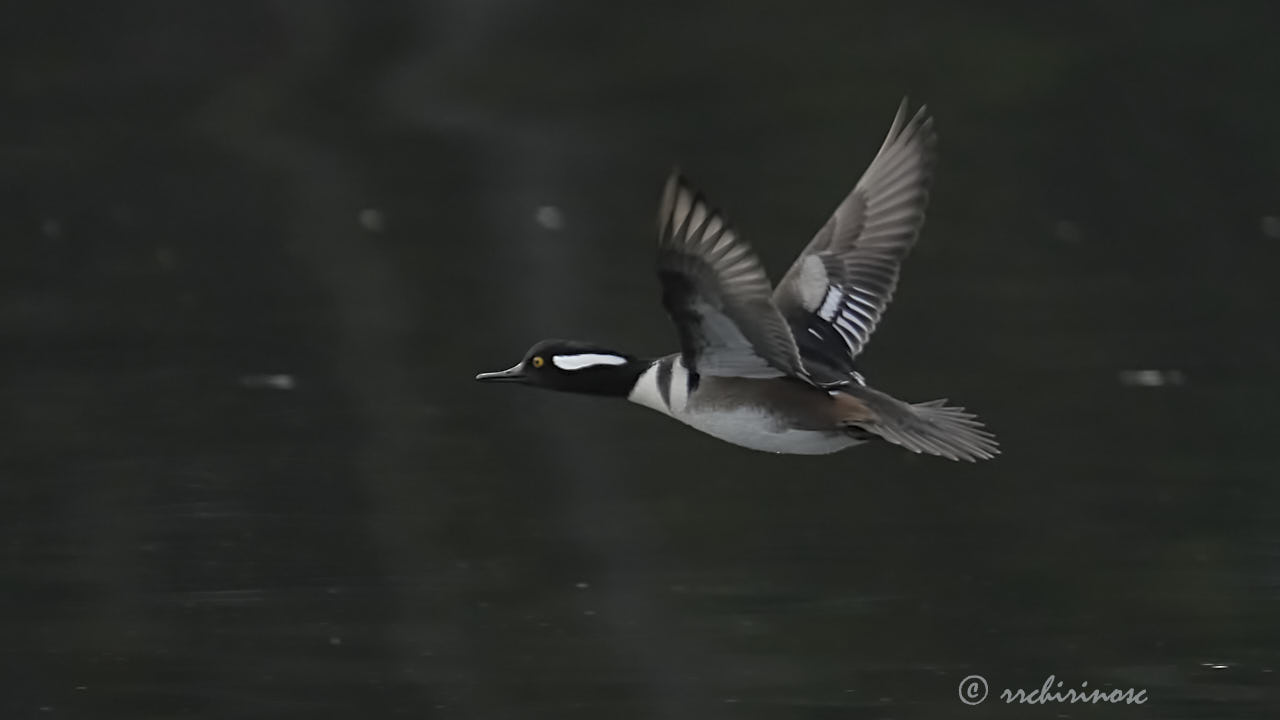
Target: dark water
257,251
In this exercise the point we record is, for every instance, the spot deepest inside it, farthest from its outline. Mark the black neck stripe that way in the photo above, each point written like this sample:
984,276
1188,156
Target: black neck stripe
664,379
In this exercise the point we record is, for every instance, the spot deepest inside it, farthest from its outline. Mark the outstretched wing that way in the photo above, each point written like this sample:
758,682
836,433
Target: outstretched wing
717,293
837,290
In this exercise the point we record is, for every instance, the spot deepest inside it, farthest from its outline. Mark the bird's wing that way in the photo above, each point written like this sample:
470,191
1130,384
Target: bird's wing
718,294
837,290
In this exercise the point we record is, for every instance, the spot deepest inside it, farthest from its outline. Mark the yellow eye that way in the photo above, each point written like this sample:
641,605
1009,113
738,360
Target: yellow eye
538,361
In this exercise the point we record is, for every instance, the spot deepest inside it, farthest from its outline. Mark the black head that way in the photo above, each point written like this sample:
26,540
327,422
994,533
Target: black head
572,366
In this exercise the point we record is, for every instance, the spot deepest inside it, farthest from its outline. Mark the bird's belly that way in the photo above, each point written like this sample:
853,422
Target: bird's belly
757,430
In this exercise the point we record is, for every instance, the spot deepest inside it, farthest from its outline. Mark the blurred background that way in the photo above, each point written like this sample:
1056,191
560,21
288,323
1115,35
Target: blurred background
257,251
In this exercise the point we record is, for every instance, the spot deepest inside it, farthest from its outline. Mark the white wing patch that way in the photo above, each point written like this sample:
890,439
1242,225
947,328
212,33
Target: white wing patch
813,280
831,304
854,314
586,360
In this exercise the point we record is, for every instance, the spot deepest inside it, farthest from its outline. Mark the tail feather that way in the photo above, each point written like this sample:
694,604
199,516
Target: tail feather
930,427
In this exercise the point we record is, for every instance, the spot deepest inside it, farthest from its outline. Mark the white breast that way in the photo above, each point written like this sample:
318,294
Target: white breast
646,391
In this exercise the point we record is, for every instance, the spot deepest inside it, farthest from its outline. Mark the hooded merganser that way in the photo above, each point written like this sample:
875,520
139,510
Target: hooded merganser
773,370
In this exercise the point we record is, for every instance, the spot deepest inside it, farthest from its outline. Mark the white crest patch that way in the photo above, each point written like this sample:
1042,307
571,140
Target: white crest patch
586,360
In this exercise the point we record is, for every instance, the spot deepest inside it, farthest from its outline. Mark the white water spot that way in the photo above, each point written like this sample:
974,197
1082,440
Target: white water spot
585,360
372,220
51,228
166,258
549,217
1067,232
582,585
1152,378
269,382
1271,226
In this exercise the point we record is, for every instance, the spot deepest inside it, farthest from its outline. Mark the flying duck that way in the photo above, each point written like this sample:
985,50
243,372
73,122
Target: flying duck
772,369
